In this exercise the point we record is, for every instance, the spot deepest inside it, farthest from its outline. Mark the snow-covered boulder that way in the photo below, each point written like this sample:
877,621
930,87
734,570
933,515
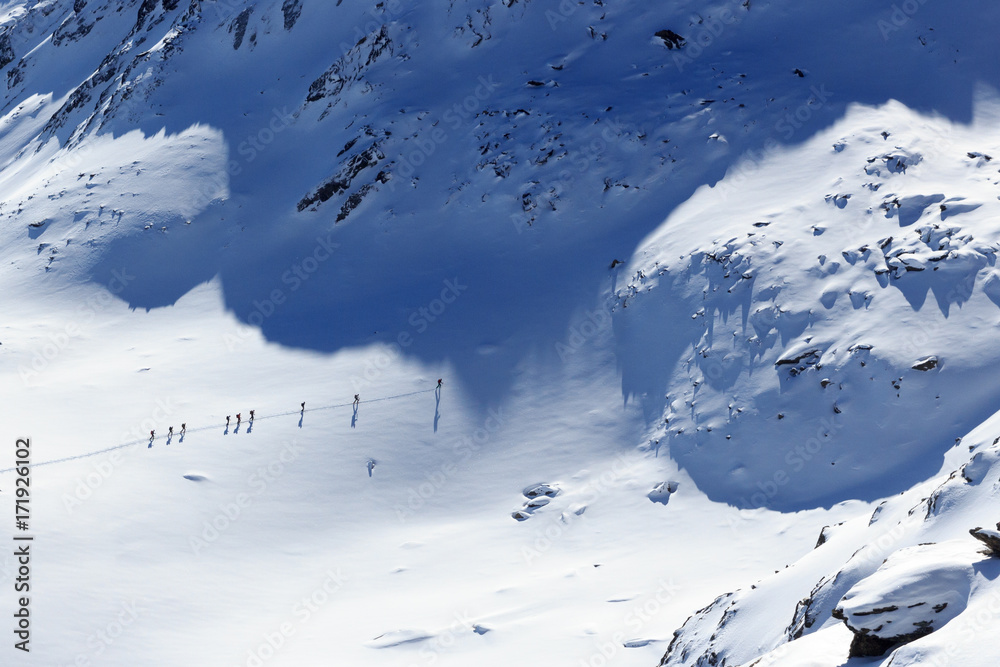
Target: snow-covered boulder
915,592
991,538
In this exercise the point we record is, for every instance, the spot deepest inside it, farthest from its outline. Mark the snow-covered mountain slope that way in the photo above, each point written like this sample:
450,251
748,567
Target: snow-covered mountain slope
909,571
521,133
825,313
213,206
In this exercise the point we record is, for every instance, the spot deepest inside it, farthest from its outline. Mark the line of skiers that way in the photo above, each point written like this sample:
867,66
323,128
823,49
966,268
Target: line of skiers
170,432
239,416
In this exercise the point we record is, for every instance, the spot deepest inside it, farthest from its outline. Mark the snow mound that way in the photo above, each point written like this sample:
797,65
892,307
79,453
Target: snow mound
915,592
781,346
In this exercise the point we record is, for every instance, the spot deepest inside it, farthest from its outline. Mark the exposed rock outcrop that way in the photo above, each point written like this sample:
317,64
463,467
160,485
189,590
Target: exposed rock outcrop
991,538
916,591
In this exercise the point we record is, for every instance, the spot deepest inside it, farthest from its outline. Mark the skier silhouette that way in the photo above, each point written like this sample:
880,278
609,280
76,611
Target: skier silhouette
183,429
170,431
251,415
237,418
437,405
227,421
152,435
303,406
357,399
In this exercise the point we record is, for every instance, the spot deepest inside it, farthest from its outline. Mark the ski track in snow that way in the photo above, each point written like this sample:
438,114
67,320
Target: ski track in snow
206,428
709,281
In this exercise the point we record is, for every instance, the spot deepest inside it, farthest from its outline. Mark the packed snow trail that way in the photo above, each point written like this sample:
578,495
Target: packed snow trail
133,443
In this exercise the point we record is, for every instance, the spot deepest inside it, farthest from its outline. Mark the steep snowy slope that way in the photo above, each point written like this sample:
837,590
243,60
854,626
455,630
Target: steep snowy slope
908,573
213,206
830,311
520,133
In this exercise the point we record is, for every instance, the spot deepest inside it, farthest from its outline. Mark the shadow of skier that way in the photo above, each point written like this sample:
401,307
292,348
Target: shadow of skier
437,406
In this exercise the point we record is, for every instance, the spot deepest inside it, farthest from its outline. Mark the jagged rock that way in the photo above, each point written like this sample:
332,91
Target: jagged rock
239,27
809,357
824,534
291,9
340,182
145,9
682,648
7,54
925,364
351,65
671,39
991,538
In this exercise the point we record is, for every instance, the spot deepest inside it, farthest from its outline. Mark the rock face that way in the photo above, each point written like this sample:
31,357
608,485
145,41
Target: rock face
916,591
991,538
671,39
926,364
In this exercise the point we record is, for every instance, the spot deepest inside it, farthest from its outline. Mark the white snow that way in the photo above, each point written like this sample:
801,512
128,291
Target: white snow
207,210
916,589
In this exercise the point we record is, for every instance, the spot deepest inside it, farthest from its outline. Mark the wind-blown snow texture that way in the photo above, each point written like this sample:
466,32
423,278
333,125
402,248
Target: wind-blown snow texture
701,278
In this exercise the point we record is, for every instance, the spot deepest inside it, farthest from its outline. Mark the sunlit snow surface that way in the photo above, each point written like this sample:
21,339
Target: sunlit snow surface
208,208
